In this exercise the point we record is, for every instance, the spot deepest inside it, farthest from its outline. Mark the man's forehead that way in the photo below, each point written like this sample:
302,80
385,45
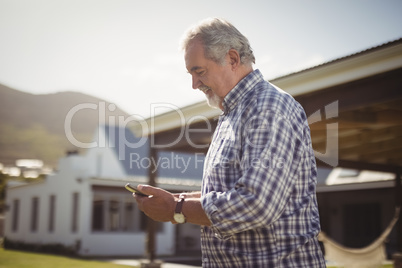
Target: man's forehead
194,56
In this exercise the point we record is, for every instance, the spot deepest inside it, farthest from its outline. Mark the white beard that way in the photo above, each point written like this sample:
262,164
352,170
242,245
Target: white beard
214,101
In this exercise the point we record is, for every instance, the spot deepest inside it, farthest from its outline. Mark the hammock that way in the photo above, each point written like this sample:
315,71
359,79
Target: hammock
368,257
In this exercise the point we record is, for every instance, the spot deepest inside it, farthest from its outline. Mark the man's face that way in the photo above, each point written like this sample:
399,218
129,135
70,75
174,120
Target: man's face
211,78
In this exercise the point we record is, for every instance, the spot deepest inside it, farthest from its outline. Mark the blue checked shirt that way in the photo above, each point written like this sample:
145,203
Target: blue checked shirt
259,182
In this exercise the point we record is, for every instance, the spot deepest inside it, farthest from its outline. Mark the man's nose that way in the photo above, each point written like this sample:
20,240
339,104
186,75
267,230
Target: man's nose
196,82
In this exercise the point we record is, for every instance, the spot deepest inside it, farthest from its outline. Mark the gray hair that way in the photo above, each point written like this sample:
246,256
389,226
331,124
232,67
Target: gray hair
218,37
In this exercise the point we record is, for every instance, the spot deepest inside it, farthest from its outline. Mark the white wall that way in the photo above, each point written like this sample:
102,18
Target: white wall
73,176
127,244
62,185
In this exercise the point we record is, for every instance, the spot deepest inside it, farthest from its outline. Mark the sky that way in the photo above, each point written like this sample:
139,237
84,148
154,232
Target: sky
127,51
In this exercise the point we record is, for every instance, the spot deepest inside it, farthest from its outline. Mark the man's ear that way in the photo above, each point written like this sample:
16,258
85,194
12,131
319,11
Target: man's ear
234,58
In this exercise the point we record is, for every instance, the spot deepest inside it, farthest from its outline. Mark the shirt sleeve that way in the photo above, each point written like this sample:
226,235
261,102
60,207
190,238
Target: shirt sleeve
271,154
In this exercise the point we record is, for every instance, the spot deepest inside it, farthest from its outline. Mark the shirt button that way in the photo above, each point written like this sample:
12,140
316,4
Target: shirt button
202,230
205,260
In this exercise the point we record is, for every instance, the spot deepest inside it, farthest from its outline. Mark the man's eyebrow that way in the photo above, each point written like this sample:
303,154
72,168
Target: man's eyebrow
195,68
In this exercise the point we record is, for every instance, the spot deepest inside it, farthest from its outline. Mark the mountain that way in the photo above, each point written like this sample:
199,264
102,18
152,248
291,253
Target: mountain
33,126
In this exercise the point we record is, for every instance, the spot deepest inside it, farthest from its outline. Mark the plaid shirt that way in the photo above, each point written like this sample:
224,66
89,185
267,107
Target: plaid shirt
259,182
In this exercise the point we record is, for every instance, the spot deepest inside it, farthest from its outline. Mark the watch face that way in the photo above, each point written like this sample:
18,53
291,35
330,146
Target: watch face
179,218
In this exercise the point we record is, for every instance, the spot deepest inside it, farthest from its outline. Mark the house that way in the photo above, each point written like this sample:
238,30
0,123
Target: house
84,206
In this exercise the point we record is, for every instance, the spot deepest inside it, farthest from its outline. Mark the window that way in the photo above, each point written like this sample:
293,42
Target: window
34,214
98,215
116,212
52,208
129,223
114,215
15,215
74,223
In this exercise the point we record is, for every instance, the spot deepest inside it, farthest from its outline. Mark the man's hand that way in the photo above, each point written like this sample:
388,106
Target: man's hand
160,204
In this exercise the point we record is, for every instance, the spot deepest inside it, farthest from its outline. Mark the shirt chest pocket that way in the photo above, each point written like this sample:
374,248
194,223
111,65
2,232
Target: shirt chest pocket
225,153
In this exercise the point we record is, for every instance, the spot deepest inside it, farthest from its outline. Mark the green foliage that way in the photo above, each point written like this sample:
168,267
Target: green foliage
33,126
33,142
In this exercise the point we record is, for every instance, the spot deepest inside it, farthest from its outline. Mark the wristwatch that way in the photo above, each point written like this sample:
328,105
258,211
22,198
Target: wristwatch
178,215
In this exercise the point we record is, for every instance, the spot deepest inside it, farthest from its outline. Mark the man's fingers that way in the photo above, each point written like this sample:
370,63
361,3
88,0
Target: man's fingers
150,190
146,189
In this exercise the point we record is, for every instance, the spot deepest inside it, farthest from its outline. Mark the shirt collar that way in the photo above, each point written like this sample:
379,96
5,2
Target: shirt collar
241,89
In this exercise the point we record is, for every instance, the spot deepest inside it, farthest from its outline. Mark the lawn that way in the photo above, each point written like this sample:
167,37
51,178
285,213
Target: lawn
14,259
20,259
384,266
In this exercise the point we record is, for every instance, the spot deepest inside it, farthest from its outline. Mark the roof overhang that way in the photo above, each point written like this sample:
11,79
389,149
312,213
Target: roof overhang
355,67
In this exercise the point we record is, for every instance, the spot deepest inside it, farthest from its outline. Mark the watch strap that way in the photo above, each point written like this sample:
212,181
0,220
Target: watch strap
179,205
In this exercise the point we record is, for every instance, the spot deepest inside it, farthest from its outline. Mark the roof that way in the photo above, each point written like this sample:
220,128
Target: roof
363,64
357,54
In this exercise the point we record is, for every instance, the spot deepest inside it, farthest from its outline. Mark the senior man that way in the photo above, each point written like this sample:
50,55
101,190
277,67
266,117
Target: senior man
257,206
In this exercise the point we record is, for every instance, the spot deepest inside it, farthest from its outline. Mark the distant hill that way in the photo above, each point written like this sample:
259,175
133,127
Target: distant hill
32,126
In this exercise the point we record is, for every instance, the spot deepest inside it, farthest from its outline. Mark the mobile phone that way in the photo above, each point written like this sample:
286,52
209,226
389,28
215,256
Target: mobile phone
134,190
